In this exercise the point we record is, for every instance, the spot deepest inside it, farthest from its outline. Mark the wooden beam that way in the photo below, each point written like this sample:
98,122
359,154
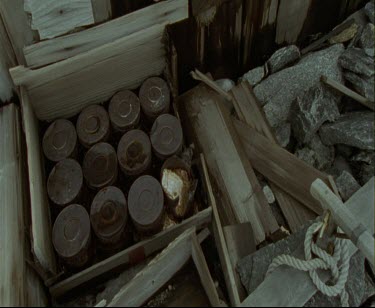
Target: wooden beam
102,10
67,46
348,92
287,287
281,167
157,272
133,254
63,89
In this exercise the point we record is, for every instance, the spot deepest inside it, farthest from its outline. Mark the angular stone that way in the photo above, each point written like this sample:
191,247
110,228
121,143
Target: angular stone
367,157
370,11
367,37
225,84
345,35
324,155
254,76
362,84
355,129
282,58
278,91
364,162
347,185
357,61
311,110
370,52
307,155
283,133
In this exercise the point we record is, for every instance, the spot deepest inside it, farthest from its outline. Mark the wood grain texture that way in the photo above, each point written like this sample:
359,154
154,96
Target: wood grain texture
41,227
281,167
287,287
146,248
249,111
102,10
50,51
242,197
63,89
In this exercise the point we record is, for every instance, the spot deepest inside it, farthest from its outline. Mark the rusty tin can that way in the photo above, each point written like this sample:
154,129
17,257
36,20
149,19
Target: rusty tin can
166,136
71,235
65,183
93,126
124,111
108,215
134,153
100,166
154,96
146,205
60,140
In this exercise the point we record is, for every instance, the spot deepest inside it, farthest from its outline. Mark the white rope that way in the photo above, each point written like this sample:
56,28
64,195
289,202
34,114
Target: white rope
323,261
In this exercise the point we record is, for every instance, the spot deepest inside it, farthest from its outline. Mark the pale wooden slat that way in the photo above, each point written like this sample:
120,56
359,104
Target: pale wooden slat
40,215
144,248
102,10
67,46
65,88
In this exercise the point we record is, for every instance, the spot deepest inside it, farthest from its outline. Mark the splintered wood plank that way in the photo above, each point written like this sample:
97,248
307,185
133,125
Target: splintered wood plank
67,46
41,227
133,254
281,167
241,194
250,112
63,89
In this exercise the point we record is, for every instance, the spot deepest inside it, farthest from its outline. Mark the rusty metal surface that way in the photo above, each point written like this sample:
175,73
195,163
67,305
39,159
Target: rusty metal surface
60,140
93,125
166,136
134,153
124,111
146,204
100,166
65,182
109,214
154,96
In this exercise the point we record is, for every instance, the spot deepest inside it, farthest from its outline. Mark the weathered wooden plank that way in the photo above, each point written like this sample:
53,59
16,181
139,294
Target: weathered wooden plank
281,167
140,250
157,273
287,287
41,228
67,46
65,88
102,10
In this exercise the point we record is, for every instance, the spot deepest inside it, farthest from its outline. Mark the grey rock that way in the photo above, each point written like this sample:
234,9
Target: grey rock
255,76
278,91
355,129
282,58
307,155
362,84
311,110
225,84
357,61
364,162
370,52
339,165
370,11
367,157
347,185
367,37
366,173
269,194
283,133
324,155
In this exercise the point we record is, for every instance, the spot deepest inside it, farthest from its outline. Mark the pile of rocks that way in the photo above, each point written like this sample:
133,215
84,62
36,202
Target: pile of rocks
333,133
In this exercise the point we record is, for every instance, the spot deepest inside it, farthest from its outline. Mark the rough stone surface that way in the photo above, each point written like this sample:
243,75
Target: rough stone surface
347,185
255,75
269,194
311,110
367,37
307,155
225,84
364,163
283,58
357,61
277,92
362,84
324,155
370,11
283,133
345,35
366,173
354,129
370,52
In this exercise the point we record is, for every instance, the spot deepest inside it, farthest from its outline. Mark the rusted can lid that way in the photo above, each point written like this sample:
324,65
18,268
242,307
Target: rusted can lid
134,152
124,111
65,182
93,125
71,231
166,136
100,166
109,213
60,140
146,202
155,97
